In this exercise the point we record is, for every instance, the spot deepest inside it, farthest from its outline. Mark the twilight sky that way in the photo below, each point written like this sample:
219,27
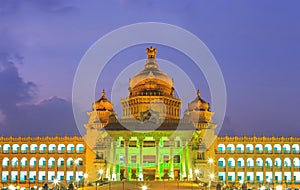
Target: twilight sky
256,44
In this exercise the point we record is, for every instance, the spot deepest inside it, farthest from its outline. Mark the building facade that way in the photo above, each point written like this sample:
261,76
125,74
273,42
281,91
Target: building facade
151,142
30,162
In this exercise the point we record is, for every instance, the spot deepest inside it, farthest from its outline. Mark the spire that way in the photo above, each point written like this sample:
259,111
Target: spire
151,52
103,93
198,93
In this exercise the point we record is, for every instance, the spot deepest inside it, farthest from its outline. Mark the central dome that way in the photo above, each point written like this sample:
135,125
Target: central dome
151,79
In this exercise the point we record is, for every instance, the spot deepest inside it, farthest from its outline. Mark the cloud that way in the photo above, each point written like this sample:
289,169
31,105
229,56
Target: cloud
19,116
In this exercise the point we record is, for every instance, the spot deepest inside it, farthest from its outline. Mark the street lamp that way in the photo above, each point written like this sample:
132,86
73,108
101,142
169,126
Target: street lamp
144,187
55,181
210,160
211,178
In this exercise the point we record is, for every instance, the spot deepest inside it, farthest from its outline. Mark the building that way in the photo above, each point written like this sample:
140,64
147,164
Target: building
30,162
151,142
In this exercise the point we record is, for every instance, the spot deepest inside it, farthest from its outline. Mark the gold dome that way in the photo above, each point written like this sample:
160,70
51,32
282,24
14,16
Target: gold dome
199,104
103,104
151,78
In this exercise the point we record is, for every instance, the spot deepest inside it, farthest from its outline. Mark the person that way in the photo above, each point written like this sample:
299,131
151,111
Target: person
71,186
45,187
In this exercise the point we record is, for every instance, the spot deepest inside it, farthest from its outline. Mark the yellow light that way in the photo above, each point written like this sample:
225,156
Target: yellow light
241,181
76,161
212,176
55,181
210,160
144,187
196,171
85,175
101,171
11,187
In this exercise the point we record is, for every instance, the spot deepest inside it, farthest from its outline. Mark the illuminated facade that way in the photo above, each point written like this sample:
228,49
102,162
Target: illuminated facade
30,162
151,142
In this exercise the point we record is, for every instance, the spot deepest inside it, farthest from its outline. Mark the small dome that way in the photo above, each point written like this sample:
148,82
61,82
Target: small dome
199,104
103,104
151,78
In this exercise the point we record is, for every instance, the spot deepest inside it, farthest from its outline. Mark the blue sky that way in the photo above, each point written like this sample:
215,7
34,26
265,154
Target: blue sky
256,44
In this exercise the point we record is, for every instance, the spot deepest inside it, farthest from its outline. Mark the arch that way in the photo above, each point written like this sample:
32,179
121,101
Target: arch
268,148
287,162
296,162
231,162
295,148
6,148
286,148
221,162
70,162
277,148
32,162
277,162
24,148
241,162
52,147
230,148
70,148
249,148
51,162
60,162
78,161
23,162
33,147
240,148
259,162
15,147
258,148
221,148
43,147
14,162
79,148
250,162
42,162
61,147
269,162
5,162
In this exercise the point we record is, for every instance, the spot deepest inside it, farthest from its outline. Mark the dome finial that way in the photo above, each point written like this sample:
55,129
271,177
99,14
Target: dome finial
151,52
103,93
198,93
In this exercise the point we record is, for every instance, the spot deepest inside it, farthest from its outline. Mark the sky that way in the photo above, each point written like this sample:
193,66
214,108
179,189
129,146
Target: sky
256,44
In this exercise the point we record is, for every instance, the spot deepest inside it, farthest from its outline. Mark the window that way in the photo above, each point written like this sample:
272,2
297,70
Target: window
166,158
177,159
166,143
133,159
149,144
132,143
122,158
220,163
149,158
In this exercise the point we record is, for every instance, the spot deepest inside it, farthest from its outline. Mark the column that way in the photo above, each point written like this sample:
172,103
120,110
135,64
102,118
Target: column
114,175
183,172
126,144
171,161
141,159
108,159
157,172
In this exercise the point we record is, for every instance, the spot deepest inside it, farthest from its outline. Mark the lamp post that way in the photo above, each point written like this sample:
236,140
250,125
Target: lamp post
211,178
